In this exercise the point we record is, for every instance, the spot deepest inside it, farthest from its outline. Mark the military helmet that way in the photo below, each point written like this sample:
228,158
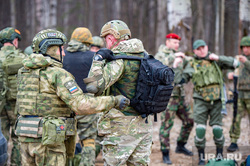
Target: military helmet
46,38
98,42
245,41
9,34
83,35
117,28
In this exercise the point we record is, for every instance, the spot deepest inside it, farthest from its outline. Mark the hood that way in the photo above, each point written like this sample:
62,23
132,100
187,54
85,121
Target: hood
129,46
35,61
74,46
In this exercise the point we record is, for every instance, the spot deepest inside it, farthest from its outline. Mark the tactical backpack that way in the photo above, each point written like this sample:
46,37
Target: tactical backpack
154,85
11,65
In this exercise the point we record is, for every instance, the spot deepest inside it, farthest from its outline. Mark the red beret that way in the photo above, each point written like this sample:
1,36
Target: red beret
173,36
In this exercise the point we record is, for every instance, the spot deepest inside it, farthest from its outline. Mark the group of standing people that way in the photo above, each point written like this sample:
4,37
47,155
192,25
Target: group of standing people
67,104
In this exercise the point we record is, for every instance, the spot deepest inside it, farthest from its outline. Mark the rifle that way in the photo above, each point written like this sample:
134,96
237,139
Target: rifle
235,99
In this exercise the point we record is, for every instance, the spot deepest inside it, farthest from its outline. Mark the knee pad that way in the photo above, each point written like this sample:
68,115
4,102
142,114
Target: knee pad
217,131
200,132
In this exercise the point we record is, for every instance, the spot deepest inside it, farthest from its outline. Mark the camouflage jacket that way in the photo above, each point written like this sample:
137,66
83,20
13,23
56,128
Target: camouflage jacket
54,91
121,72
6,51
185,75
166,56
74,46
244,79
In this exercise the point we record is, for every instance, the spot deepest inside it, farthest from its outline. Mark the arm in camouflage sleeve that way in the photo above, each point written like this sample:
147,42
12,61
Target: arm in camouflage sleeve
110,71
183,75
68,90
247,65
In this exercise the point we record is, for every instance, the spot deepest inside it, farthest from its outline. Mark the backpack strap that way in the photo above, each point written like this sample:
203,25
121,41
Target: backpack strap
127,57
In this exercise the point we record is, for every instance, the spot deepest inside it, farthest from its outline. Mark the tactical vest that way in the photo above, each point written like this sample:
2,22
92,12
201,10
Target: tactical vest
244,78
127,84
207,79
11,65
31,101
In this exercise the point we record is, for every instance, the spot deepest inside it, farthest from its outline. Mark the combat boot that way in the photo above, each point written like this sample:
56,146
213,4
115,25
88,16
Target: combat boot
181,149
201,154
233,147
219,153
165,156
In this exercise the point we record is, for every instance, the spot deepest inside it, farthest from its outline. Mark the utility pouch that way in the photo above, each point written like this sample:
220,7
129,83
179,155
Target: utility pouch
210,92
29,127
54,131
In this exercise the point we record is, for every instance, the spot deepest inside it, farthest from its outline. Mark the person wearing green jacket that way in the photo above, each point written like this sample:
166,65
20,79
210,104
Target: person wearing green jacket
205,71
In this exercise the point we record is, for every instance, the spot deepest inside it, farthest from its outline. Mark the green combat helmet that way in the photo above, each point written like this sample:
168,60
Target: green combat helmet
117,28
245,41
98,42
46,38
9,34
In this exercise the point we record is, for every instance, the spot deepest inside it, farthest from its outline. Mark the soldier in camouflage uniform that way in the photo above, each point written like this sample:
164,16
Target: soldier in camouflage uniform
46,99
177,105
127,138
10,38
244,92
77,61
97,44
205,72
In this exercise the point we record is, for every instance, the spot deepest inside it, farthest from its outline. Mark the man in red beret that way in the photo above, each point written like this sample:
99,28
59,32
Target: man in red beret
177,105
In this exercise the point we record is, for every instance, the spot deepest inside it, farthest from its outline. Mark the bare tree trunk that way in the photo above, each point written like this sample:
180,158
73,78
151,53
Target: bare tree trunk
13,13
161,28
231,27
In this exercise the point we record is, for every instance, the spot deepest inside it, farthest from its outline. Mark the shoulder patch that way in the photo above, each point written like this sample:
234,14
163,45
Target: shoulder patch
71,86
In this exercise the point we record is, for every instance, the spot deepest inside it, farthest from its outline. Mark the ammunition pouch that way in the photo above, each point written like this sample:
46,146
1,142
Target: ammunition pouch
54,131
210,92
51,129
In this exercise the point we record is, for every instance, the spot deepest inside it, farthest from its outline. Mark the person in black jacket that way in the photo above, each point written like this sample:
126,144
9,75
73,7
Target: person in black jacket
78,61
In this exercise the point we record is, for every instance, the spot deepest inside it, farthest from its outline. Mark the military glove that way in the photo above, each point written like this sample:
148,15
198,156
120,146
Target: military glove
121,102
104,53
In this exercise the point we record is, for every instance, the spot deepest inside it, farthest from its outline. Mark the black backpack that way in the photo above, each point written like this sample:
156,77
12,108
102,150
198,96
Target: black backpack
154,85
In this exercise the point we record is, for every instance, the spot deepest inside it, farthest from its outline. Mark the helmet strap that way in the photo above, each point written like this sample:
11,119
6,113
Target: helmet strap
115,44
60,48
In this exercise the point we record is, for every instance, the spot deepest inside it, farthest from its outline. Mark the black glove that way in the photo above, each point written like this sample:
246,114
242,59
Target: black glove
105,54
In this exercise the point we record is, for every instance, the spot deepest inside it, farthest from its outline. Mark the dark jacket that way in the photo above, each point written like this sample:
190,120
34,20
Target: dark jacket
78,64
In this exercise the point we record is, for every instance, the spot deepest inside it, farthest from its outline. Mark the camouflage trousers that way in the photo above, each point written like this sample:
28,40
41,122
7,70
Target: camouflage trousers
36,154
243,108
127,139
8,122
204,110
176,106
87,132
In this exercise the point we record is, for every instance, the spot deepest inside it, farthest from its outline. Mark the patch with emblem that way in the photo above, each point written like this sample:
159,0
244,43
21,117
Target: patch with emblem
71,86
51,34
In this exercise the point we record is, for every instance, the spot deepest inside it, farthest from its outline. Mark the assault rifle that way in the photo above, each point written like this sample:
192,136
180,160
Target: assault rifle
235,99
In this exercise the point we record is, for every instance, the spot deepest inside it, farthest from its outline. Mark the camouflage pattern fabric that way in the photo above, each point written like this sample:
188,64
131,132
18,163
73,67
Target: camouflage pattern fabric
127,139
8,113
243,109
54,81
176,106
243,100
38,154
74,46
86,129
244,77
